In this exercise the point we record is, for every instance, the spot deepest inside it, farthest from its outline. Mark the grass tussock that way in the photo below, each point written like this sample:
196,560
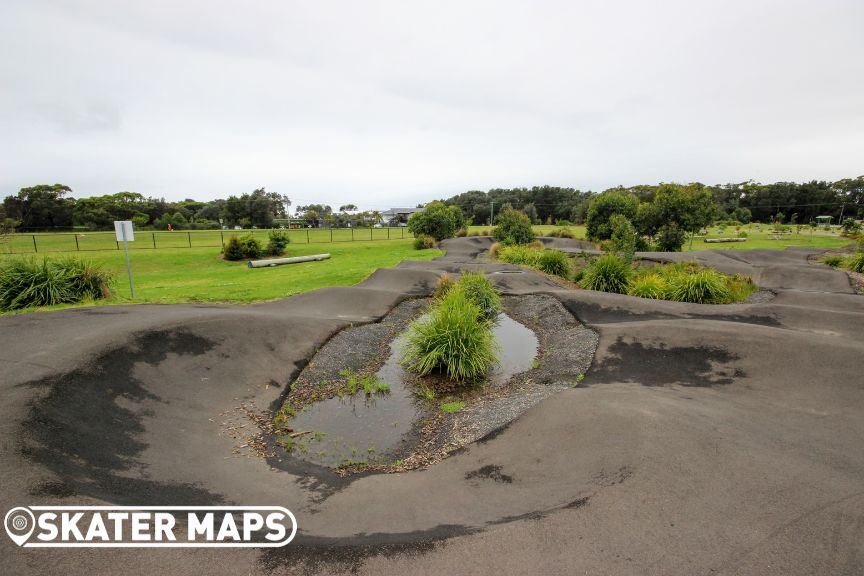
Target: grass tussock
455,338
28,282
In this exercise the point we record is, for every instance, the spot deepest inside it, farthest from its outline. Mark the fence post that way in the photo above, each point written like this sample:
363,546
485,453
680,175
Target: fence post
77,247
35,249
222,237
307,236
403,233
153,234
352,234
388,232
189,238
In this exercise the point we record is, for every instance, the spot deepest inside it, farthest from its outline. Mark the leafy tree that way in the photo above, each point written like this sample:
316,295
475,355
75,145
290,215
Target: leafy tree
603,207
670,238
742,215
42,206
514,227
436,220
348,208
681,209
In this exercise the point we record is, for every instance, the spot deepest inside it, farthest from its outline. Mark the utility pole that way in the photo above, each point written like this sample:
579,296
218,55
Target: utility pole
492,215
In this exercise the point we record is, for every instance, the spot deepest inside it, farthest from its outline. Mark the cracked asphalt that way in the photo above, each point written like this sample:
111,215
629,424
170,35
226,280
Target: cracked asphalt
704,439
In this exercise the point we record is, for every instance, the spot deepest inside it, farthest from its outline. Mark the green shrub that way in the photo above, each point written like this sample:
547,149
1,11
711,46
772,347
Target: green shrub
563,223
479,289
554,262
28,282
703,287
833,260
424,242
240,248
740,287
233,249
649,285
278,242
514,227
462,232
856,263
251,246
609,273
453,339
436,220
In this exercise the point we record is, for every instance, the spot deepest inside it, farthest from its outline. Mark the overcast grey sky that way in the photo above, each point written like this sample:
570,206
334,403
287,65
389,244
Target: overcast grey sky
392,103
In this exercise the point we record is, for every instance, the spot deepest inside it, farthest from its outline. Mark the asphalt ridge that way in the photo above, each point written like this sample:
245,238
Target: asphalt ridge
704,439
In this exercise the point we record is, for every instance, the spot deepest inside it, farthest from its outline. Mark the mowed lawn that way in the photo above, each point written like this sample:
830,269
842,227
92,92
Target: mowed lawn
200,275
763,239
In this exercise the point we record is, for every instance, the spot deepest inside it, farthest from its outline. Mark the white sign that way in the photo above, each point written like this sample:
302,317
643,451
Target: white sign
123,231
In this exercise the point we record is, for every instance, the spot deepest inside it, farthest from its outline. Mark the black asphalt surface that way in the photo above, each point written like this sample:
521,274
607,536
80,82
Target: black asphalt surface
704,439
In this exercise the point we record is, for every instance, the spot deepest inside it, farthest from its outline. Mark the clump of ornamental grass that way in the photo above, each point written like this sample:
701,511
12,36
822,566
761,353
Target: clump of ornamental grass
27,282
479,290
856,263
608,273
703,287
455,339
649,285
555,262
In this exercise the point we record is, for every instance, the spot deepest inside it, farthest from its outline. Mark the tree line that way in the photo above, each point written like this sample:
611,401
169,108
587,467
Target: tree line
744,202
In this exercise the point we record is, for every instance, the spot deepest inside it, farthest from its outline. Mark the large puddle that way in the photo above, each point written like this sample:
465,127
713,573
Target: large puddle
369,429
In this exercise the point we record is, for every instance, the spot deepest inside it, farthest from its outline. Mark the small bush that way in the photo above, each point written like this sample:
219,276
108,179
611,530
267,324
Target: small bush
703,287
563,223
649,285
29,282
856,263
609,273
278,243
554,262
239,248
251,246
485,233
454,339
444,285
514,227
233,249
424,242
833,260
670,238
479,289
623,237
462,232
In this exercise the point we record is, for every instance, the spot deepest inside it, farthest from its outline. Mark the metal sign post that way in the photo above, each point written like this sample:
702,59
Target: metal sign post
124,233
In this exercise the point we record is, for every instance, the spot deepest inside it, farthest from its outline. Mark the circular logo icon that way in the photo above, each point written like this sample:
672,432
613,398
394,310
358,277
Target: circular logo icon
19,523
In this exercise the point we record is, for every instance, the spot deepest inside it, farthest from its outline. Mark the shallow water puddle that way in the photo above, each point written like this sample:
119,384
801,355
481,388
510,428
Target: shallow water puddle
368,429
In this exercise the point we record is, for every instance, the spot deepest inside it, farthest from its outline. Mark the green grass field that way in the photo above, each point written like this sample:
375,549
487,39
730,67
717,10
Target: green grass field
756,238
200,274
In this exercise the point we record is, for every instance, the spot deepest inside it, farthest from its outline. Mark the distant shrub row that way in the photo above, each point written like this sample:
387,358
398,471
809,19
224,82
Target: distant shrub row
26,282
